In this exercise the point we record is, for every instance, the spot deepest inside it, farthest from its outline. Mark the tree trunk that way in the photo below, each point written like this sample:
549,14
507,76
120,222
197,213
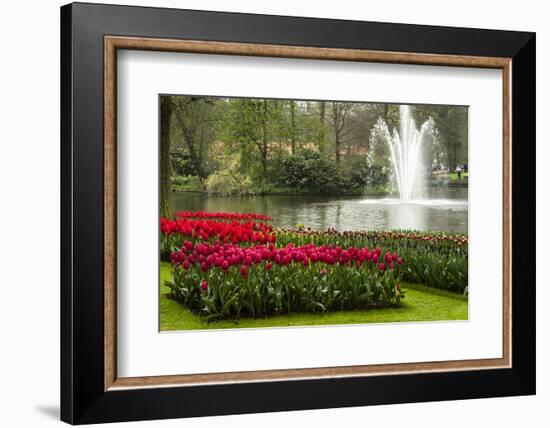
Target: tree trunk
194,155
321,137
293,127
166,209
190,133
264,140
337,146
336,127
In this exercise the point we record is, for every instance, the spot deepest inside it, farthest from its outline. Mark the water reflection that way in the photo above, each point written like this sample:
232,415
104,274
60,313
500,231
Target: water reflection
447,211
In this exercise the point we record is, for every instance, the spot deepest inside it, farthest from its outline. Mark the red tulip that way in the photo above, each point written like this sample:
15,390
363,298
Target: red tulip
244,272
204,285
186,264
382,267
400,261
268,266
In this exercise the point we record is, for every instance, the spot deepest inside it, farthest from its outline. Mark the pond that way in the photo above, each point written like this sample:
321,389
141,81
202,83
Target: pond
447,210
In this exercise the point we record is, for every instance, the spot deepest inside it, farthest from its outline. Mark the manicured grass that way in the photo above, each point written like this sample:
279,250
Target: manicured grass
420,304
454,176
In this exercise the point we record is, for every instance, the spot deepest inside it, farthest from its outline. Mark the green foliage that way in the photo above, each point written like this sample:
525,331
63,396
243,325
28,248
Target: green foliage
247,127
310,171
357,176
283,289
431,259
378,163
266,133
168,244
443,271
181,164
195,119
186,183
451,145
421,304
228,182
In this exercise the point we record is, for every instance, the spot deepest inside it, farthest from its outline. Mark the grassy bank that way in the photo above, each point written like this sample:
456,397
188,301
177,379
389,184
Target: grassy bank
421,304
196,185
282,191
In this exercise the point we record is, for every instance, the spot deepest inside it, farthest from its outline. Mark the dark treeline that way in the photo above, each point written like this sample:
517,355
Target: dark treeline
246,146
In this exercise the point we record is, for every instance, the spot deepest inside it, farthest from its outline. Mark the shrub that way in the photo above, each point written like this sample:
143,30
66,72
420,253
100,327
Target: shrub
229,183
357,174
182,164
186,182
309,171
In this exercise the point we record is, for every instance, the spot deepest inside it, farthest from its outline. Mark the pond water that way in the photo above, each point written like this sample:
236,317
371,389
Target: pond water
447,210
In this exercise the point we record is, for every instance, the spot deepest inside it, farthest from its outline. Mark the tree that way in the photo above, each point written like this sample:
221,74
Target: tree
340,113
195,118
166,107
452,131
247,124
391,115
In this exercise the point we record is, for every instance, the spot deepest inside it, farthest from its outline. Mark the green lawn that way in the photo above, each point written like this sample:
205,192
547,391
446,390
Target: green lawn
454,176
420,304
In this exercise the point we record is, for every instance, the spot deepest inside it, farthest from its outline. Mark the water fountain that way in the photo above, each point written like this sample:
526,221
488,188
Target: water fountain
406,153
414,208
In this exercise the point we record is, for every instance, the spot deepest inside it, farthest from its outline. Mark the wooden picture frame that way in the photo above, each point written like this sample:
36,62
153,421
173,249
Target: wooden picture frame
91,390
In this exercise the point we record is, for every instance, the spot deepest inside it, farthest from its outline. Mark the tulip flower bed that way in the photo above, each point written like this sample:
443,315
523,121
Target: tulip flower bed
222,216
232,228
226,280
441,243
437,260
235,265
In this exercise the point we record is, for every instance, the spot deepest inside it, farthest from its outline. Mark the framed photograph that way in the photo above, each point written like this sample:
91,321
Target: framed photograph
266,213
